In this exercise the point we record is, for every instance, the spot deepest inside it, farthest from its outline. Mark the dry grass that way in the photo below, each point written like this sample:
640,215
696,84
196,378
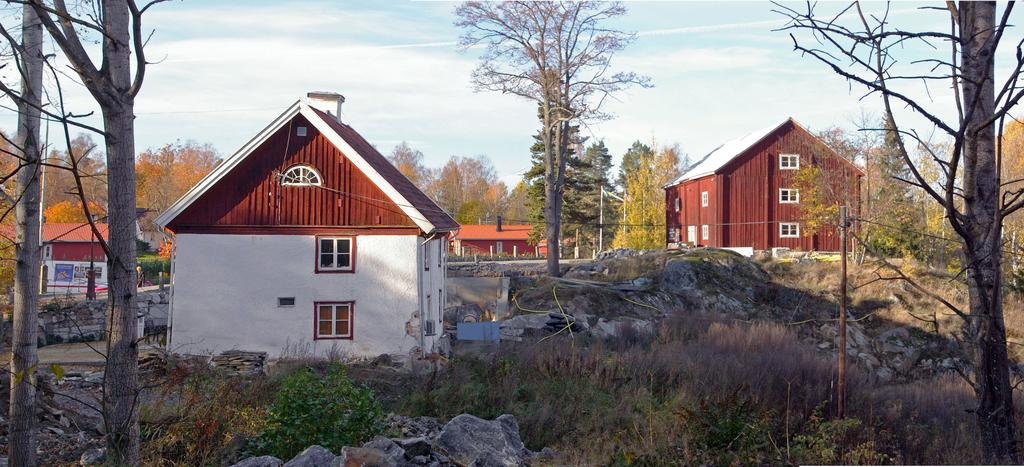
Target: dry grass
666,398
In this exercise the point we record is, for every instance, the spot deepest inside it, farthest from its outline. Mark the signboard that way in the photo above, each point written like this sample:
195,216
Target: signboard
63,272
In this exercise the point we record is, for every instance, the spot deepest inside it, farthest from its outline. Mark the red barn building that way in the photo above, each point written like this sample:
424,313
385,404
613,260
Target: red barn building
484,239
743,194
68,251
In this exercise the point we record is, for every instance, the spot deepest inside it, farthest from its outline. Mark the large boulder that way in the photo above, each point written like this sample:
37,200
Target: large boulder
261,461
390,448
469,440
313,456
363,457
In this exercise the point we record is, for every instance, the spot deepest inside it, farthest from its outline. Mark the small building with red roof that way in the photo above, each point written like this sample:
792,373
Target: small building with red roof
69,250
493,240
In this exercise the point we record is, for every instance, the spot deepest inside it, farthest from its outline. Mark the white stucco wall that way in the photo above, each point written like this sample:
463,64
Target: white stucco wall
226,289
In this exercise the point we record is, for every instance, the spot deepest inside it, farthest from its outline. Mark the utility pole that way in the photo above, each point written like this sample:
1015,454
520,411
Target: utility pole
844,227
600,222
623,199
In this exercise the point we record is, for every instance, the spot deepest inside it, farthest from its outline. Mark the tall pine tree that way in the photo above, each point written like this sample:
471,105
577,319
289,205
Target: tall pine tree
893,203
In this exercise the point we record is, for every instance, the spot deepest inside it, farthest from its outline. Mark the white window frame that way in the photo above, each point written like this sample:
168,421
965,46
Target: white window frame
301,175
789,162
705,232
703,199
794,226
346,307
350,255
676,203
789,195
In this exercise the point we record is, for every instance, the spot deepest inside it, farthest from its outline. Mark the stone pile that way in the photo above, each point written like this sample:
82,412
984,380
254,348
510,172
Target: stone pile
557,322
240,362
465,440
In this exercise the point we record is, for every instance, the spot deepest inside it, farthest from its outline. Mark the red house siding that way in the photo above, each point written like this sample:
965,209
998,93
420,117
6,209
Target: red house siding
250,196
472,246
76,251
743,206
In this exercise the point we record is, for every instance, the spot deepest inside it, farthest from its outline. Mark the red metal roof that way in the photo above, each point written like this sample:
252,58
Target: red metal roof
63,232
490,232
72,232
419,200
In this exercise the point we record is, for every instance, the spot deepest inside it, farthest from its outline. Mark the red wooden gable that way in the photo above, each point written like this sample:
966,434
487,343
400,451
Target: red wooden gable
251,199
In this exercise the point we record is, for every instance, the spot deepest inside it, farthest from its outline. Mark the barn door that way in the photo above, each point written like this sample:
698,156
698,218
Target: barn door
691,234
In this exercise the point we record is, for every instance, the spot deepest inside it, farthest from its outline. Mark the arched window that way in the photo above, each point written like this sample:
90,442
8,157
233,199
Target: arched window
301,175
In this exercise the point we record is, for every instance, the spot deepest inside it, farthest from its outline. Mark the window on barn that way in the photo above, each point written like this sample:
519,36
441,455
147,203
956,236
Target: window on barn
789,230
789,195
333,320
789,161
300,175
704,232
677,203
335,254
704,199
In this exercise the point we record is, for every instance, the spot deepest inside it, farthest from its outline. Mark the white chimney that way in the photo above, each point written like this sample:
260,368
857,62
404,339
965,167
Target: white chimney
329,102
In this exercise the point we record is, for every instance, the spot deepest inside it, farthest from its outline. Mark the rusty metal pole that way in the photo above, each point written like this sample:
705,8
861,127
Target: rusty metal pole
843,239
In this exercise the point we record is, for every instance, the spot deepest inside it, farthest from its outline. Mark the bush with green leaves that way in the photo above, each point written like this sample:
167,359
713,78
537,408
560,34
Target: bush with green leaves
324,409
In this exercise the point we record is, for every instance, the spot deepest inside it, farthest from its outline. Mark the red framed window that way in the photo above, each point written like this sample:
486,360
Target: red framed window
335,254
333,320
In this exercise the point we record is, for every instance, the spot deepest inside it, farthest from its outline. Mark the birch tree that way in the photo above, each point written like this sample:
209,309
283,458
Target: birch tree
28,58
866,48
558,55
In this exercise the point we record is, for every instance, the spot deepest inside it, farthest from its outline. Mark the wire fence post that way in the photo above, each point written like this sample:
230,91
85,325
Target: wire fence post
841,385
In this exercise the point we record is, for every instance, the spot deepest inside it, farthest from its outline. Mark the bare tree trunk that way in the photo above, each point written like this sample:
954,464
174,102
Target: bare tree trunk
22,447
985,328
121,385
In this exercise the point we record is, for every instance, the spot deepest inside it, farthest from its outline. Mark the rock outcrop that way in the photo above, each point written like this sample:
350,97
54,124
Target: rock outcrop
470,440
464,441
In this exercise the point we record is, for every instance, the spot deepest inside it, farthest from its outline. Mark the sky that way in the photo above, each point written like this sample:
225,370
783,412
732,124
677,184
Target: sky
225,69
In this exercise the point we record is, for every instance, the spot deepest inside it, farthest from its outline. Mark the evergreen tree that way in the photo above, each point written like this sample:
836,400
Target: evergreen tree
576,183
597,175
894,203
631,161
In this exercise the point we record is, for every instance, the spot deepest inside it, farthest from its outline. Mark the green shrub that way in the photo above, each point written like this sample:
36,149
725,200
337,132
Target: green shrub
729,430
328,410
152,267
836,442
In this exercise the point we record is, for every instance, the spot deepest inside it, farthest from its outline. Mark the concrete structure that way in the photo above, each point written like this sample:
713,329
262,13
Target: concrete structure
307,240
743,194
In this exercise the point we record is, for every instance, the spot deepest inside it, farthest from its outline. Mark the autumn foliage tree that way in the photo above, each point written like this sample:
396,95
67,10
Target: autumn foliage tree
166,173
645,198
71,212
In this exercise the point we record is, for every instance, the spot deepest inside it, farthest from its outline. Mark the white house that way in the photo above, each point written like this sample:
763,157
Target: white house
307,237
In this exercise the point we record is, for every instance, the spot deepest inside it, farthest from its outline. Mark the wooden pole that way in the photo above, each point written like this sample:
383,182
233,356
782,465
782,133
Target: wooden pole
841,386
576,250
600,221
